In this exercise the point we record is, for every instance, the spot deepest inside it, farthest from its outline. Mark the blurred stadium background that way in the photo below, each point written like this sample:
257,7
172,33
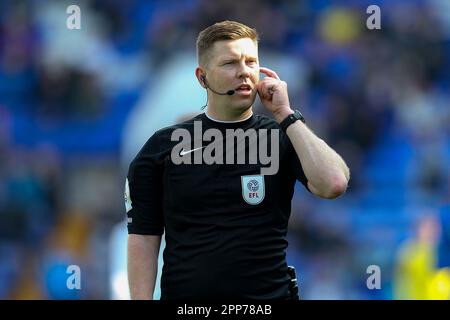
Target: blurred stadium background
76,106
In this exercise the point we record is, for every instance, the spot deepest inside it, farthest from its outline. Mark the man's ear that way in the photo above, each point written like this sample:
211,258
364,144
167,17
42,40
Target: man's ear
199,73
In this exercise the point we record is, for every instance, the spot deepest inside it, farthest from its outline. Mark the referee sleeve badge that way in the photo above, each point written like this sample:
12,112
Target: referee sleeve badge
127,197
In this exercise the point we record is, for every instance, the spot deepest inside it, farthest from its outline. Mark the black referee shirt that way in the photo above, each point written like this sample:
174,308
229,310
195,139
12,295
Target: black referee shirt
221,242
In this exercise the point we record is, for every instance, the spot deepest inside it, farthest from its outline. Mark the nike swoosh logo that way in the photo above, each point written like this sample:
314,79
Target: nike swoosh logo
182,152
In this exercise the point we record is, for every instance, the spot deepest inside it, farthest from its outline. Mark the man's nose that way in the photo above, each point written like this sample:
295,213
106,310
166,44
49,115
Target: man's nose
244,71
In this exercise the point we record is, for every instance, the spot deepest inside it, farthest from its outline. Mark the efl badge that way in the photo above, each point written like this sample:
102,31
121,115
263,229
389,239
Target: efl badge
253,189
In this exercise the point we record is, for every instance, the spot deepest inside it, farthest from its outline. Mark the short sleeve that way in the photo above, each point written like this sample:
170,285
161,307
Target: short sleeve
143,191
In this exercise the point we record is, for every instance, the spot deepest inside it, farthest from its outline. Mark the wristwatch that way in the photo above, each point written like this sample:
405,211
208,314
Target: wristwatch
290,119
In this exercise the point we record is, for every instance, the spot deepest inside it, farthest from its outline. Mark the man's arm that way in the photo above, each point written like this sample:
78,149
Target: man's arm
143,253
326,171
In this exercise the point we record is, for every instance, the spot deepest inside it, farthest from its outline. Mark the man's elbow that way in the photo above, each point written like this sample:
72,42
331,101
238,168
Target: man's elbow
338,186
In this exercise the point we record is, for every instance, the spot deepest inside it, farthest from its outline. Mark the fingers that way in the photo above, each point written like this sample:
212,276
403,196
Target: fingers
267,87
269,73
270,84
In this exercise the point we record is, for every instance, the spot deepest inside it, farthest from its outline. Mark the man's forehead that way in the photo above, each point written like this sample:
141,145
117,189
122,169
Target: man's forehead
245,47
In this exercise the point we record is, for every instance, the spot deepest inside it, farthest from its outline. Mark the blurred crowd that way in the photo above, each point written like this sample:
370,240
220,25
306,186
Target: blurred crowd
381,98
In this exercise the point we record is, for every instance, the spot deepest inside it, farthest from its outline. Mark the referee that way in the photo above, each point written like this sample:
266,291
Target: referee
225,221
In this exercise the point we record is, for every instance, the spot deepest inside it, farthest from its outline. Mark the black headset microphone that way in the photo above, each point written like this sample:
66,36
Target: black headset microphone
228,93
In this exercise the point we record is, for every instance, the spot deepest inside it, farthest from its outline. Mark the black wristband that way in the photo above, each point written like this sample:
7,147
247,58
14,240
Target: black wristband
290,119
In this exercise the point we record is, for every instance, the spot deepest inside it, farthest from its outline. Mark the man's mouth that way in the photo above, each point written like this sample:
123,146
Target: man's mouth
244,88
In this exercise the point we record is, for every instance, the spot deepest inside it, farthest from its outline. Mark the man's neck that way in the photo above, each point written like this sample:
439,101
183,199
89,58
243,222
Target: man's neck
228,116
